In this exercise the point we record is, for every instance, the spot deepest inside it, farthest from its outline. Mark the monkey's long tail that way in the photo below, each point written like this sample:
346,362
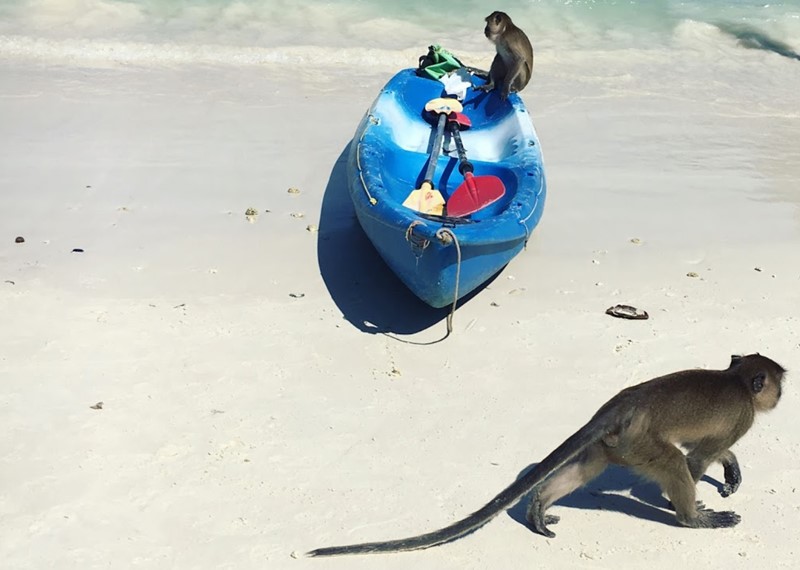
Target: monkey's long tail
585,436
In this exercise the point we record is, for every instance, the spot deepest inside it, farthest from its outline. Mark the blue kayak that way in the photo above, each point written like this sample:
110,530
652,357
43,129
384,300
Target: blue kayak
441,258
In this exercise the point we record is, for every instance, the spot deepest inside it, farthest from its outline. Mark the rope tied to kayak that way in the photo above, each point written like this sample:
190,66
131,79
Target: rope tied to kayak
372,120
446,237
418,244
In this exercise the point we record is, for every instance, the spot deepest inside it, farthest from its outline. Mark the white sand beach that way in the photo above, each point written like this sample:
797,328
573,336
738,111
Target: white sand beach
251,407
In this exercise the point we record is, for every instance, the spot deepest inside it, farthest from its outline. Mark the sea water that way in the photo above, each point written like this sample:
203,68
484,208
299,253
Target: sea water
373,33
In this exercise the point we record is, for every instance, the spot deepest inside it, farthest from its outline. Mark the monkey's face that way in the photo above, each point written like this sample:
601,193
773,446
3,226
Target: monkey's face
495,25
767,387
763,378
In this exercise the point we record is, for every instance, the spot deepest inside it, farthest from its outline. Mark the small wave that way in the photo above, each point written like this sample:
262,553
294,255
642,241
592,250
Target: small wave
375,34
92,52
726,36
754,38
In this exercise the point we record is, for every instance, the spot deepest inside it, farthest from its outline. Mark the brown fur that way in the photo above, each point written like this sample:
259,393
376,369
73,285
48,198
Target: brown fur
706,411
513,64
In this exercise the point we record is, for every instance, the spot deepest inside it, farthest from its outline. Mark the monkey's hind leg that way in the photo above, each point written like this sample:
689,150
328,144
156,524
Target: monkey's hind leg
497,74
668,467
580,471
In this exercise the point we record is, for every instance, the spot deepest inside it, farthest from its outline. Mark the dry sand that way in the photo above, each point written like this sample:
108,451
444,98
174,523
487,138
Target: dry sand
250,407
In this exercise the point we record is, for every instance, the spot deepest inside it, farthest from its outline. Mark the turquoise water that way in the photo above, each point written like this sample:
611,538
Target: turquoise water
264,30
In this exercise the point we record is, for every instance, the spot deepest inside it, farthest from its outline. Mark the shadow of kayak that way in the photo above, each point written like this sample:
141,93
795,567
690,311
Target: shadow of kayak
366,291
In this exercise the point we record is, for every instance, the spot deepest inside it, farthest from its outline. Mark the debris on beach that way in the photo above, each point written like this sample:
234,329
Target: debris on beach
312,228
636,241
627,312
755,268
10,282
251,214
297,295
622,346
77,250
692,274
19,239
297,214
97,406
293,190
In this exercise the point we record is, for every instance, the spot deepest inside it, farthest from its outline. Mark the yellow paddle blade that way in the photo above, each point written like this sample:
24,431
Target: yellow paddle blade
426,200
444,105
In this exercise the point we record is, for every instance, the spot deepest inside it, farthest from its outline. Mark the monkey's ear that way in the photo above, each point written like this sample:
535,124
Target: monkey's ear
758,382
735,358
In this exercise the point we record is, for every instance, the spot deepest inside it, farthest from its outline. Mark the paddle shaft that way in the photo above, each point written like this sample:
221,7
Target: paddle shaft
475,192
465,166
437,145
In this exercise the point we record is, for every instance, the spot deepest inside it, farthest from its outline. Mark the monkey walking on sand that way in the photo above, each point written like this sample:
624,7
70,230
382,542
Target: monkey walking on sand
705,411
512,66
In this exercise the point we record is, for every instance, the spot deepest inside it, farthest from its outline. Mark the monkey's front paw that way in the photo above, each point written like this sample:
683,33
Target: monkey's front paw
728,489
723,519
485,87
706,518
